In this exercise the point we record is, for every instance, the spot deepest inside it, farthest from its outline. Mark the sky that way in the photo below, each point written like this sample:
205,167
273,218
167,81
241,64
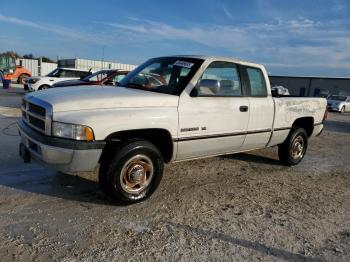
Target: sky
300,37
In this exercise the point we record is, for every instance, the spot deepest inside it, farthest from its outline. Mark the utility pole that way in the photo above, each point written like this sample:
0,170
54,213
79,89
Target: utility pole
103,57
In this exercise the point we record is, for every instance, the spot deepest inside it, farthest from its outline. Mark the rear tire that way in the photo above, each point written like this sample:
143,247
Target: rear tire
134,172
293,150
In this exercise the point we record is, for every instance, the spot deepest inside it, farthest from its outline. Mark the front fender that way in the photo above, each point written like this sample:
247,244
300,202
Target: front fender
107,121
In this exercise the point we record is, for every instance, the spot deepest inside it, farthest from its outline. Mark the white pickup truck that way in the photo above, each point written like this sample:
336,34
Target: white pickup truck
168,109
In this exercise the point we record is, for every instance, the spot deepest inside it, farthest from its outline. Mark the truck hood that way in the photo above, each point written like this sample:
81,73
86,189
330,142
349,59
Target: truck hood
97,97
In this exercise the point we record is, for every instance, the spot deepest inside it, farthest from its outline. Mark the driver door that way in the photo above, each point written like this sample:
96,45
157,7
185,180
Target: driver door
213,123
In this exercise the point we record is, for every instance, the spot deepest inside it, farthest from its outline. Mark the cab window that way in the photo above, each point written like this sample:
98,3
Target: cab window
256,82
227,75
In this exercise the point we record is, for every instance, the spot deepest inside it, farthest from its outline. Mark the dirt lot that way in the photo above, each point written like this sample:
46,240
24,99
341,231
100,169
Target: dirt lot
232,208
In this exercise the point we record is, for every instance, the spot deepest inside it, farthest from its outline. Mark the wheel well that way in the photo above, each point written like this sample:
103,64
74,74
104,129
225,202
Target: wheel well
161,138
40,87
24,74
307,123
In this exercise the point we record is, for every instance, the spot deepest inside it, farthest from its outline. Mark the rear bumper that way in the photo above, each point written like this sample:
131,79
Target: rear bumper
67,156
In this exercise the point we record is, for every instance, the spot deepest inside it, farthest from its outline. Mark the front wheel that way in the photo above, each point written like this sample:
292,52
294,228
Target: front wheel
293,150
342,110
134,173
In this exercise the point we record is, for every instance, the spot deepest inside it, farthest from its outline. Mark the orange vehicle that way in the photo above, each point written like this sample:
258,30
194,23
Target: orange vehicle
19,72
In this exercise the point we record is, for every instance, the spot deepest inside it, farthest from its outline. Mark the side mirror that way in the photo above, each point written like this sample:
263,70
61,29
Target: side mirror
208,87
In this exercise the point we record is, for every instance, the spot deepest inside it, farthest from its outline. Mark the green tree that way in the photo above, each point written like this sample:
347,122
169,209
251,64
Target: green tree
10,54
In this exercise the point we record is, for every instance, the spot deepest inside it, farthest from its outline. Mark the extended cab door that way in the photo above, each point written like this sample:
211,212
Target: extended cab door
212,123
261,107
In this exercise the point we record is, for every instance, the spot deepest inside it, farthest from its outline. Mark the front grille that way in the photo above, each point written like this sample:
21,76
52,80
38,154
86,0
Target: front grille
36,115
37,122
37,110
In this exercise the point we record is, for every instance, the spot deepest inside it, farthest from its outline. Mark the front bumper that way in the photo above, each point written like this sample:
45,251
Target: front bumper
64,155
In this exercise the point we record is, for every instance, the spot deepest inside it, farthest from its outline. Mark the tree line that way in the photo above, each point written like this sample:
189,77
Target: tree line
26,56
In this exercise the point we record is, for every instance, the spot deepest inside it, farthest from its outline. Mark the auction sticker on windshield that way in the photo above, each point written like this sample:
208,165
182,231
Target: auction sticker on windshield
183,64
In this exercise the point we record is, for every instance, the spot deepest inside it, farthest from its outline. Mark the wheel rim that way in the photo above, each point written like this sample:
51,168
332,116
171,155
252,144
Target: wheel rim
343,109
298,147
136,174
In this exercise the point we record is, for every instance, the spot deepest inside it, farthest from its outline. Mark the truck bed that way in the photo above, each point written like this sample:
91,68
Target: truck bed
288,109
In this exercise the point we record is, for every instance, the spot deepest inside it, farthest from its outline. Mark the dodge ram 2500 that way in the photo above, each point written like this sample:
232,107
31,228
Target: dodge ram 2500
168,109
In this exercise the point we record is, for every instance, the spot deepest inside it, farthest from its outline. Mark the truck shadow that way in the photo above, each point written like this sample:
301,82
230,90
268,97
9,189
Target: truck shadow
55,184
83,187
247,157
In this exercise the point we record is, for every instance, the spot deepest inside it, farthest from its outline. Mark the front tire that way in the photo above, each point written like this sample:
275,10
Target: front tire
293,150
134,172
342,111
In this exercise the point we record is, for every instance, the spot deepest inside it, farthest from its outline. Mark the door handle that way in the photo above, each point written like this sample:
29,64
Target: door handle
243,108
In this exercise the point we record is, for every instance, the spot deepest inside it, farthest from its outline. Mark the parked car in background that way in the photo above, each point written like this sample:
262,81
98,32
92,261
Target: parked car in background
57,75
168,109
18,73
103,77
338,103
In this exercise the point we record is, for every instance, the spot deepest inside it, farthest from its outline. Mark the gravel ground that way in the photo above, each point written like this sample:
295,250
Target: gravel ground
238,207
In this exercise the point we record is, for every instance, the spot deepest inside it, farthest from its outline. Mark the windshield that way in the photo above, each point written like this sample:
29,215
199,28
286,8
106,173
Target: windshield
55,73
337,98
168,75
98,76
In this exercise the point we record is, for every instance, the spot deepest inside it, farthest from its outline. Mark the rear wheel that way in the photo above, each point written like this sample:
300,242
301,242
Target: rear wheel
293,150
342,110
134,172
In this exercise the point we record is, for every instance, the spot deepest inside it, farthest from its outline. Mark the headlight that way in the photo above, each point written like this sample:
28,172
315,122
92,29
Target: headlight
71,131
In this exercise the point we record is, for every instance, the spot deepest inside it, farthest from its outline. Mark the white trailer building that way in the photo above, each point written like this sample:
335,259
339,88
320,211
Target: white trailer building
95,65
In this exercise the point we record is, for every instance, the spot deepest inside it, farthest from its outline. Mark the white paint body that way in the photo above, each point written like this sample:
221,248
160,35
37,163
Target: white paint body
112,109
